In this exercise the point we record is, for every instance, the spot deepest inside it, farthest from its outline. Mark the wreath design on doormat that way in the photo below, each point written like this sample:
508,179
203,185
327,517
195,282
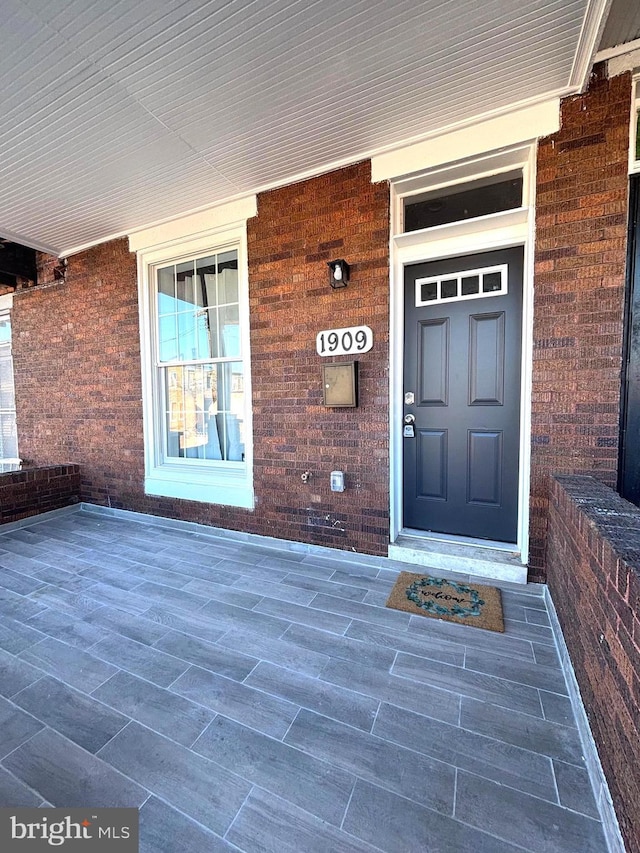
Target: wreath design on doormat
433,603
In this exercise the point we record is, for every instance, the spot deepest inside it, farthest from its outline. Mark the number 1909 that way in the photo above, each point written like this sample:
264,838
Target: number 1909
355,339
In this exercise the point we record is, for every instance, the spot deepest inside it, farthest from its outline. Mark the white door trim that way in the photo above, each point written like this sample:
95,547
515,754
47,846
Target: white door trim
498,231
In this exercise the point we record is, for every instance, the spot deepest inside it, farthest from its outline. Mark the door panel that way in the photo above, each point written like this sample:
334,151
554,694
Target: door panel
462,363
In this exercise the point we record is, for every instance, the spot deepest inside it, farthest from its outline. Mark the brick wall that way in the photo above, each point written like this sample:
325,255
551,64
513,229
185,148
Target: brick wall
593,566
581,221
76,357
34,490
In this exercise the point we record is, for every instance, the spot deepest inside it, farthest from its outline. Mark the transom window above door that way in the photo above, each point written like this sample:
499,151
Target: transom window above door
464,201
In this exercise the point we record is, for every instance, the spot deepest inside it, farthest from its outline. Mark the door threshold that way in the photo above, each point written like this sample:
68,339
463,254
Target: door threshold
497,561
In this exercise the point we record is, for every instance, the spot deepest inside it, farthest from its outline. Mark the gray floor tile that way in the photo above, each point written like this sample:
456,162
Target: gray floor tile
170,598
574,789
161,826
68,776
75,604
62,579
228,616
71,665
16,727
249,637
198,624
317,695
440,704
541,736
304,615
522,672
16,636
15,674
155,707
473,638
15,793
383,616
397,825
528,631
314,585
546,655
530,823
255,708
16,582
280,652
337,646
134,627
19,608
428,647
224,592
75,632
224,661
498,691
196,786
417,777
268,824
316,786
140,659
73,714
504,763
557,709
270,589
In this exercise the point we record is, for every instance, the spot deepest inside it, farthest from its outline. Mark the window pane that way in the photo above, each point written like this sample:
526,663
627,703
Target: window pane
185,286
187,346
227,277
207,333
449,288
470,285
168,338
206,281
491,282
205,411
429,291
468,202
230,330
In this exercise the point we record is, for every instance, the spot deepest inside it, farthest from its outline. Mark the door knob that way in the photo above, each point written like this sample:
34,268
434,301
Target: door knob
409,419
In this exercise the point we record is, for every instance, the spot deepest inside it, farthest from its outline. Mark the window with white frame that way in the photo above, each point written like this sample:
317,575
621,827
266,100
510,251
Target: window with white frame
9,460
199,359
196,380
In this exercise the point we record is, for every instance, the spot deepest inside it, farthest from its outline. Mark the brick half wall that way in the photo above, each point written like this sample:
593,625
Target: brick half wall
34,490
593,571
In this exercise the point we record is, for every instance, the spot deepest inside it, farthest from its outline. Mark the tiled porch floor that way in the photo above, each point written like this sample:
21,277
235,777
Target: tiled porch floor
248,698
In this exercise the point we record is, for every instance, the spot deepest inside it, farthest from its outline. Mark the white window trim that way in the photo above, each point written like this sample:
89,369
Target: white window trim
221,229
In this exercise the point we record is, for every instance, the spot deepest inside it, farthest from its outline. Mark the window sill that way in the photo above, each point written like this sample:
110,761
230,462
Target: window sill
229,489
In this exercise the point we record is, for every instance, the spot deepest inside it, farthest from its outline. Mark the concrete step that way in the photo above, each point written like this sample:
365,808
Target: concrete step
494,563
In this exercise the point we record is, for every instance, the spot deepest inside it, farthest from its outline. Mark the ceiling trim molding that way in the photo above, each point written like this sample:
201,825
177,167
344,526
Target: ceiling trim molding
593,24
618,50
489,134
192,225
23,240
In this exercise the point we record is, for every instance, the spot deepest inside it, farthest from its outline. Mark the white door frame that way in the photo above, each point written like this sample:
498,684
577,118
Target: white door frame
497,231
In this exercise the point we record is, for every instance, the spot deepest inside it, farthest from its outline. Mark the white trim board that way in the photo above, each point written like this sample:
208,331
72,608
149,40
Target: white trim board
501,230
471,141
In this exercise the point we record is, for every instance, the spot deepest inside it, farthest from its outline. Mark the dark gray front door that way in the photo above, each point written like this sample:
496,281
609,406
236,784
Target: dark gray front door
461,439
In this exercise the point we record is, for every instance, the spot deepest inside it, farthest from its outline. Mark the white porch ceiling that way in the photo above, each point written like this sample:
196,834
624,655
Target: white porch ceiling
117,114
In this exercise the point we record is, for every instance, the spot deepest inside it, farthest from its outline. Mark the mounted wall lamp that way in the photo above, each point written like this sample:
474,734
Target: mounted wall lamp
338,273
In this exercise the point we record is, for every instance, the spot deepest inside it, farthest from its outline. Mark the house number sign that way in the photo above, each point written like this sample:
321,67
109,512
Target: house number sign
355,339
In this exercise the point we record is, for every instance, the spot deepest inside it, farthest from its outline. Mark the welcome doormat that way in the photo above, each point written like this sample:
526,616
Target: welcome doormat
466,604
